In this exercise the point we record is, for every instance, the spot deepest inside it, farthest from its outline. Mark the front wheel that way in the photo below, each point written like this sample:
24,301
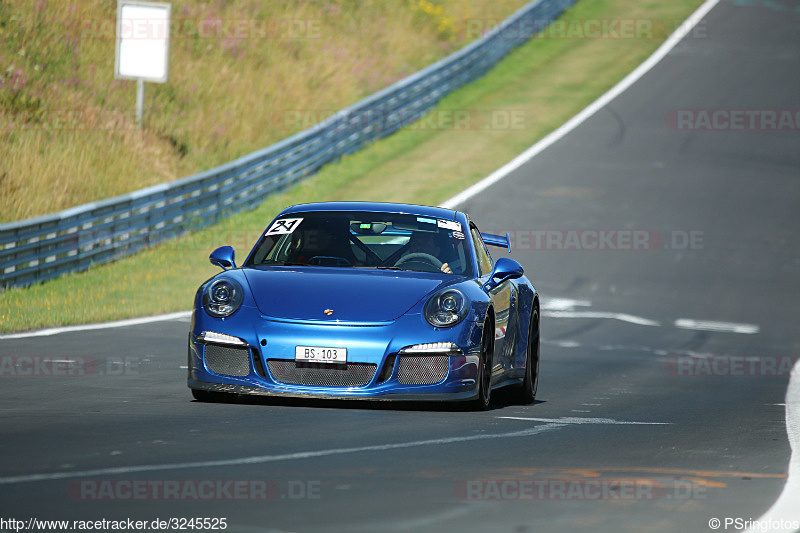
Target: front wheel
481,403
527,391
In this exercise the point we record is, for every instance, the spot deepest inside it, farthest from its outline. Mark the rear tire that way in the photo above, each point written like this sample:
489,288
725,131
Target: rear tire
527,391
208,396
484,399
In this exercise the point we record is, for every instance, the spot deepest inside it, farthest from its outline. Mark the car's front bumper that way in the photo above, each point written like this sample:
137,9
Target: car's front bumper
266,366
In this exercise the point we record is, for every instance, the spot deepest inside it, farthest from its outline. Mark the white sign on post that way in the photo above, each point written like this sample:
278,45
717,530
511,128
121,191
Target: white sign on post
142,50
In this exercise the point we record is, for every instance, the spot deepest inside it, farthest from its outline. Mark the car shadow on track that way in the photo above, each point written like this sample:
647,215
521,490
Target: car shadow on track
501,398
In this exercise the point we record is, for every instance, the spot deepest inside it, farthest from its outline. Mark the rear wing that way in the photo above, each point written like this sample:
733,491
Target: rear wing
501,241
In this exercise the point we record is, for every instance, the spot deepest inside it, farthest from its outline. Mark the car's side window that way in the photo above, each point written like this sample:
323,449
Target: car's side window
485,262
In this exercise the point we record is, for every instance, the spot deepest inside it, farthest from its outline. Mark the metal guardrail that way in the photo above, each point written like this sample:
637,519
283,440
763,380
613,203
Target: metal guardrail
47,247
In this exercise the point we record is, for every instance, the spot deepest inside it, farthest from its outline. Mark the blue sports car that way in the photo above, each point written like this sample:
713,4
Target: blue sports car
366,300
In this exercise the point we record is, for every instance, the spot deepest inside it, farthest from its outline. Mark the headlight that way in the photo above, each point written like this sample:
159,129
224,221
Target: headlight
432,348
446,308
222,297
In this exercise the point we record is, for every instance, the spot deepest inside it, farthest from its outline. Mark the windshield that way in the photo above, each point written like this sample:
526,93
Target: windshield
365,240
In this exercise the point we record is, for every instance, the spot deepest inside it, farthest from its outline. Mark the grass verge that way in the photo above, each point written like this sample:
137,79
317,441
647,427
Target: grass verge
472,132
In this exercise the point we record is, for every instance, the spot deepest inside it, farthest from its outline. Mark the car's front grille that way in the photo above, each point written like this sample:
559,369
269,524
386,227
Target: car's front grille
321,374
422,369
227,360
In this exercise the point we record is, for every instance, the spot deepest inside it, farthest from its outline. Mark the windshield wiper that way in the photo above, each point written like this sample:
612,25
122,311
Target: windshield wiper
283,264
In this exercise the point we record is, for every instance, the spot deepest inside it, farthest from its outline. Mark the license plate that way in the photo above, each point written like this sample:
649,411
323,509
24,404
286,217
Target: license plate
320,354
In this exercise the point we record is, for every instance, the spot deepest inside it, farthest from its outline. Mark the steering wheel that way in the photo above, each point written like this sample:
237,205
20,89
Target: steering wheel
420,257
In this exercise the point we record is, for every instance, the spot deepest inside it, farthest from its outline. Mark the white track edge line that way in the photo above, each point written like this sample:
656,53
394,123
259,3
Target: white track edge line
785,512
586,113
711,325
588,420
103,325
624,317
260,459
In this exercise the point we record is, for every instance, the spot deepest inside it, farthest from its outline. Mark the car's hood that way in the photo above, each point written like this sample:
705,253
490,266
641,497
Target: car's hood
350,295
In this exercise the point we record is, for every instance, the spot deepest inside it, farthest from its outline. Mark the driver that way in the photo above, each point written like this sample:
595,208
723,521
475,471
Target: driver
425,242
326,244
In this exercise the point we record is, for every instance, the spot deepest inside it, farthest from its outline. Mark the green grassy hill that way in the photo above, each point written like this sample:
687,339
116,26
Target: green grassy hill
243,74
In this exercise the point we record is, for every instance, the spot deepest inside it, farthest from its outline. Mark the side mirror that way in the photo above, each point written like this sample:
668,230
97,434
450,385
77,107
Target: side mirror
223,257
504,269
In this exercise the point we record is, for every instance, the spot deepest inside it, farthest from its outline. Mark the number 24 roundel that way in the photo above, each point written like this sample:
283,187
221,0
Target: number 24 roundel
283,225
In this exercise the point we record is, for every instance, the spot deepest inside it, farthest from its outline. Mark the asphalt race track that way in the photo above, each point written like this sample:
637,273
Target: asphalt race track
648,417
